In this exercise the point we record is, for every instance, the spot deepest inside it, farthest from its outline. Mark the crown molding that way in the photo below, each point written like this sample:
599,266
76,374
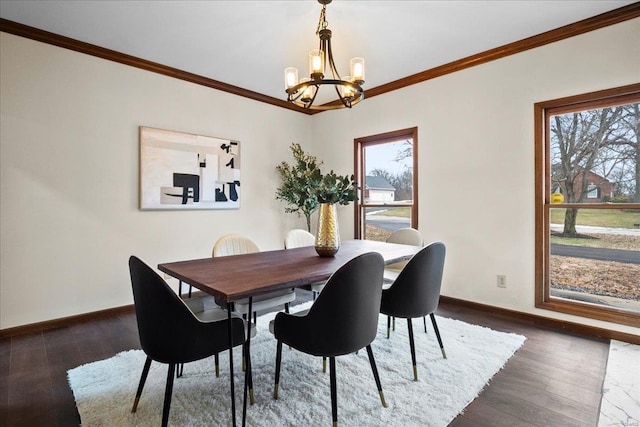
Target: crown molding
613,17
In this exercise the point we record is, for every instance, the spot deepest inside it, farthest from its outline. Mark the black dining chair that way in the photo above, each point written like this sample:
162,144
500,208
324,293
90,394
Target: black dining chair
416,293
171,333
342,320
403,236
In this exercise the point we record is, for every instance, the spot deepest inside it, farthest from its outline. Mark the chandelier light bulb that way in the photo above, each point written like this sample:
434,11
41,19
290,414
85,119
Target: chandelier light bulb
307,94
347,91
356,66
316,63
290,77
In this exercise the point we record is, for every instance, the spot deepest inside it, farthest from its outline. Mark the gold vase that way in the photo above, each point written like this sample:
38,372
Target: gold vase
328,237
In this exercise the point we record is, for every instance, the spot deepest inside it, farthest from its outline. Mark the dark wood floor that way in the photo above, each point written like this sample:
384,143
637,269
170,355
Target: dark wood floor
555,379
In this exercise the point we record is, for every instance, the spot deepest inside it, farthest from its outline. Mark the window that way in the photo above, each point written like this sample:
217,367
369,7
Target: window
387,176
593,191
588,205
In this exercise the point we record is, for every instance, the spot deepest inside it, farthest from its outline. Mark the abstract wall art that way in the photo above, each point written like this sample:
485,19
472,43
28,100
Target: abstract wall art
186,171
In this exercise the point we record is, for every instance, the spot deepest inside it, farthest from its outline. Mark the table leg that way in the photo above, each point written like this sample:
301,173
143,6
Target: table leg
233,393
247,373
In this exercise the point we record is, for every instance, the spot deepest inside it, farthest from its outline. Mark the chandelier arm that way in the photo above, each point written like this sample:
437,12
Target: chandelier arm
332,65
315,93
343,99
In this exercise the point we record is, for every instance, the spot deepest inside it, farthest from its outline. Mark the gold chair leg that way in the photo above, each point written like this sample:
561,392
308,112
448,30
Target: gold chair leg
384,402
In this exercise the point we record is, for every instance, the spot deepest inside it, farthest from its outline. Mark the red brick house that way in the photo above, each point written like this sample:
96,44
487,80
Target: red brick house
599,189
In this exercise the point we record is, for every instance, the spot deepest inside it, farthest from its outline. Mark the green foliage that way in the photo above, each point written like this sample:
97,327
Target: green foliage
304,187
299,183
336,189
620,199
615,218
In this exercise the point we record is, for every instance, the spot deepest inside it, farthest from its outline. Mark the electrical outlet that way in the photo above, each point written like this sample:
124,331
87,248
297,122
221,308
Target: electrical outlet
502,281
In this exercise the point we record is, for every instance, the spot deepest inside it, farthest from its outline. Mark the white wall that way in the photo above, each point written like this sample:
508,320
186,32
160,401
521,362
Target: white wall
476,155
69,177
69,168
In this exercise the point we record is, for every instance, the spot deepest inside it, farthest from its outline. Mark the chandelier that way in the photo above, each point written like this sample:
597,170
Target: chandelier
304,91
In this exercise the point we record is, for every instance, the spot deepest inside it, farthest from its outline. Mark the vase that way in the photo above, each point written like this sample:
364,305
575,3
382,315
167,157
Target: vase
328,237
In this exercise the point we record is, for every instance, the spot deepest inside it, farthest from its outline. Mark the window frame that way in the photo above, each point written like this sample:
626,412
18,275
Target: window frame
359,174
542,112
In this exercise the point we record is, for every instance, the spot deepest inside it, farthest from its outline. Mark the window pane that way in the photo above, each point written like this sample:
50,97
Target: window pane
594,155
600,262
389,172
379,223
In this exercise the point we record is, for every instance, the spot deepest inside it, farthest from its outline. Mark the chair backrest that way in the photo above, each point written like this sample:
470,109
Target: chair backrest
406,236
162,316
234,244
344,318
416,291
299,238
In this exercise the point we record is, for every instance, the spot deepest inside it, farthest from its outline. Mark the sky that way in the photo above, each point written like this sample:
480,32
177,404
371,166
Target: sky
382,157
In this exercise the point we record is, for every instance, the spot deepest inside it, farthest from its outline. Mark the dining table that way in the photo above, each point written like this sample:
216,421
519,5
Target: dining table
235,277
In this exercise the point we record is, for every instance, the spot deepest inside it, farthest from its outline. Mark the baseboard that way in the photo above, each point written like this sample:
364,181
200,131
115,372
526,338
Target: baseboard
65,321
546,322
533,319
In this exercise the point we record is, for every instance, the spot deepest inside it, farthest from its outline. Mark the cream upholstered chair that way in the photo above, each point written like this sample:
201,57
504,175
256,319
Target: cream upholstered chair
236,244
403,236
299,238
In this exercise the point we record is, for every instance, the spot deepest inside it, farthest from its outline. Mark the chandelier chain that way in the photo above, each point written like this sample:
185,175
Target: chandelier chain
322,22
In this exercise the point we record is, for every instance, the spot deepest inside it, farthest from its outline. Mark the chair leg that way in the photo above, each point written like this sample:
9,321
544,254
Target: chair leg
388,326
315,295
244,360
167,395
252,399
217,357
413,350
278,361
424,320
286,308
394,324
324,365
143,378
179,370
334,391
372,361
435,327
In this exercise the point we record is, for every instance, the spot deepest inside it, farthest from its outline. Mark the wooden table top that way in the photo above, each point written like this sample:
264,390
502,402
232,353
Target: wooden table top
230,278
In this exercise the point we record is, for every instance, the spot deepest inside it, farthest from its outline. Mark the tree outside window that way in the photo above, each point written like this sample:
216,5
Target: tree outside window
588,246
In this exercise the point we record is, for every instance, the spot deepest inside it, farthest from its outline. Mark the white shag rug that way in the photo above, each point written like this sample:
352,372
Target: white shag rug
104,390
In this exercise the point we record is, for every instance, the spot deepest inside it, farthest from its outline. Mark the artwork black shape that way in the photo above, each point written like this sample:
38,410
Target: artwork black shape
187,181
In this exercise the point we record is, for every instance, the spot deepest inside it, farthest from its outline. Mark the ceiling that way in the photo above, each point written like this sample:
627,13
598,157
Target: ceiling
249,43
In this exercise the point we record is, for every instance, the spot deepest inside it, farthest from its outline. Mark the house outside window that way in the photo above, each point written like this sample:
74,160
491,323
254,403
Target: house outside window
378,189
